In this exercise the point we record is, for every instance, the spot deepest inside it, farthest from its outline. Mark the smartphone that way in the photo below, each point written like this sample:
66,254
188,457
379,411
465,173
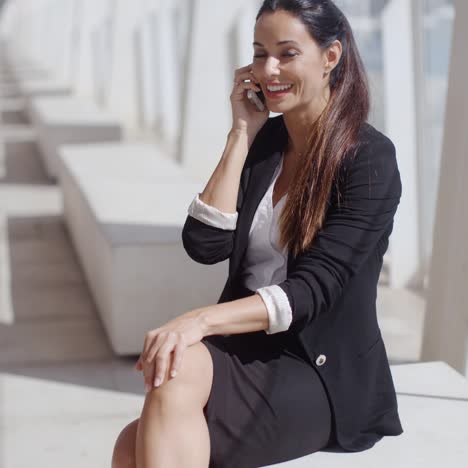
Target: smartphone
257,99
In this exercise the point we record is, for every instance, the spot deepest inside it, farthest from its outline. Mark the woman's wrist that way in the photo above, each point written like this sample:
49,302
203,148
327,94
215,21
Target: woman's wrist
241,133
202,315
244,315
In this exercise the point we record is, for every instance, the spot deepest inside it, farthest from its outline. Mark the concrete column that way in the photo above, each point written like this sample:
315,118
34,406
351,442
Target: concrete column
146,84
242,36
446,319
401,127
31,37
91,15
208,83
57,28
102,39
160,74
121,92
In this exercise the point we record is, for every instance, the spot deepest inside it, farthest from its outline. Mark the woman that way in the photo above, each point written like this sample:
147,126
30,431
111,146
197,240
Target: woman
290,360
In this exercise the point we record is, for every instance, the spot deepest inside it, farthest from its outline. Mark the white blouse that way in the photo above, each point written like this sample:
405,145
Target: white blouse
264,264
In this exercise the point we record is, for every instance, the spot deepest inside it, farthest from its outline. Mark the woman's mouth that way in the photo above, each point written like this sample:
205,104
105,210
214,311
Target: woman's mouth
276,92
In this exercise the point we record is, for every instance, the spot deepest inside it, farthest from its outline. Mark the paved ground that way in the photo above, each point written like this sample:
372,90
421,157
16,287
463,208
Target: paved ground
64,396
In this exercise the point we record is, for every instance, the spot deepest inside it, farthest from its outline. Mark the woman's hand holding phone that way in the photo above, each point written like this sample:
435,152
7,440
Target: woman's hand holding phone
246,116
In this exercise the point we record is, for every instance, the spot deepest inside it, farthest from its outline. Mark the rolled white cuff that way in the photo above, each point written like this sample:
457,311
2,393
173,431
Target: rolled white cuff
210,215
278,307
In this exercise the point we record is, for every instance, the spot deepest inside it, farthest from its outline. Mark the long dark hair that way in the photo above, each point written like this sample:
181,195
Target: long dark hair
334,135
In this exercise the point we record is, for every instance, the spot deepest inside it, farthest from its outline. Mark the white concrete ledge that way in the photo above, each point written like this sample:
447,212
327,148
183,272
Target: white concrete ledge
77,417
125,208
31,86
433,407
9,90
20,69
64,119
12,105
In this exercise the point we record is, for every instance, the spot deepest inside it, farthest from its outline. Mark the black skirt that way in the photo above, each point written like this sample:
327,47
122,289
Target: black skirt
267,404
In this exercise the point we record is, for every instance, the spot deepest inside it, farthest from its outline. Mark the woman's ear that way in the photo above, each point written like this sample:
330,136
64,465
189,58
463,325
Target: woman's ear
333,55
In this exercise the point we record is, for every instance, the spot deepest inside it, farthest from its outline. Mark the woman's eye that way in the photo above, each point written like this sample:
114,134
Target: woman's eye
287,54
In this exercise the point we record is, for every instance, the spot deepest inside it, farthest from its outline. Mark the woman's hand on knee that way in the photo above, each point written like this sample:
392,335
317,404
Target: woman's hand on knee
164,347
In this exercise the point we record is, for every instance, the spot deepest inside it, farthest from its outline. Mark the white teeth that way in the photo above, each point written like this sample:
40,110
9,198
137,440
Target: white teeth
278,88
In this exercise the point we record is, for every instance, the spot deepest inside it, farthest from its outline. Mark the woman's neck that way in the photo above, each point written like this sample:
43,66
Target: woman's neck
298,123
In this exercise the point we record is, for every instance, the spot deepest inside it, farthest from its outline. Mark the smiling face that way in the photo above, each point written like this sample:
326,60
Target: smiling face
299,62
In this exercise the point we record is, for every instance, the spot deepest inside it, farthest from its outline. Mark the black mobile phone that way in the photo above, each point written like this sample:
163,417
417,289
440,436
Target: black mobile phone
261,96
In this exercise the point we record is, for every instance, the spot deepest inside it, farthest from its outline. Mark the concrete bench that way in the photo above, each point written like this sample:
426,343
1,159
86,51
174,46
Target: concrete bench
64,119
42,86
12,105
433,407
24,80
9,90
125,206
20,67
83,420
26,72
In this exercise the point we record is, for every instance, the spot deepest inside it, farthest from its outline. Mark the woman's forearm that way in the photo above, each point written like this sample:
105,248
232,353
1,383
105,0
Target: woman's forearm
244,315
222,189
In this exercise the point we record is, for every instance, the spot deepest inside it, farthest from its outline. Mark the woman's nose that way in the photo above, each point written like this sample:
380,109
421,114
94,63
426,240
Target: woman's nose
271,68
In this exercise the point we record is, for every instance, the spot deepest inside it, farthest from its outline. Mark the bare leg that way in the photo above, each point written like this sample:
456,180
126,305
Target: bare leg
172,431
124,449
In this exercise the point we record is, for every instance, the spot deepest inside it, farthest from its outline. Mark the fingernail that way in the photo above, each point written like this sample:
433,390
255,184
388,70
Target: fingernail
157,382
173,373
147,387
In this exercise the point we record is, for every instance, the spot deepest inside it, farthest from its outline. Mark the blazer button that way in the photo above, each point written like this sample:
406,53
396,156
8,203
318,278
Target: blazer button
320,361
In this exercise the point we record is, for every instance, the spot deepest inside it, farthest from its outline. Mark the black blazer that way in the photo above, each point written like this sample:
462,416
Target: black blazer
332,288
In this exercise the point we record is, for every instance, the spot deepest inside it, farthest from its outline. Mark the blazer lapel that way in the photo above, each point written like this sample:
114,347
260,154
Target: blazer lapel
259,181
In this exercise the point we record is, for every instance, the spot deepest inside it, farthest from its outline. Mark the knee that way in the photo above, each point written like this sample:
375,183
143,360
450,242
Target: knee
123,455
192,383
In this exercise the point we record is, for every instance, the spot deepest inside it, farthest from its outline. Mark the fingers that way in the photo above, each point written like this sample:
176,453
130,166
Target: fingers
149,338
243,79
169,337
177,358
240,70
241,87
150,355
244,73
144,363
164,357
138,366
148,375
162,361
157,355
246,76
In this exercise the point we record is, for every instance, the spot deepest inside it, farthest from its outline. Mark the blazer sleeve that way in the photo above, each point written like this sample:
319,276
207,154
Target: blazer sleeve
211,215
349,234
206,242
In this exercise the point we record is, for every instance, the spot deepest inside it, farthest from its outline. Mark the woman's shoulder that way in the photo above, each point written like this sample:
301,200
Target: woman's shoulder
370,137
372,144
373,148
373,161
275,132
